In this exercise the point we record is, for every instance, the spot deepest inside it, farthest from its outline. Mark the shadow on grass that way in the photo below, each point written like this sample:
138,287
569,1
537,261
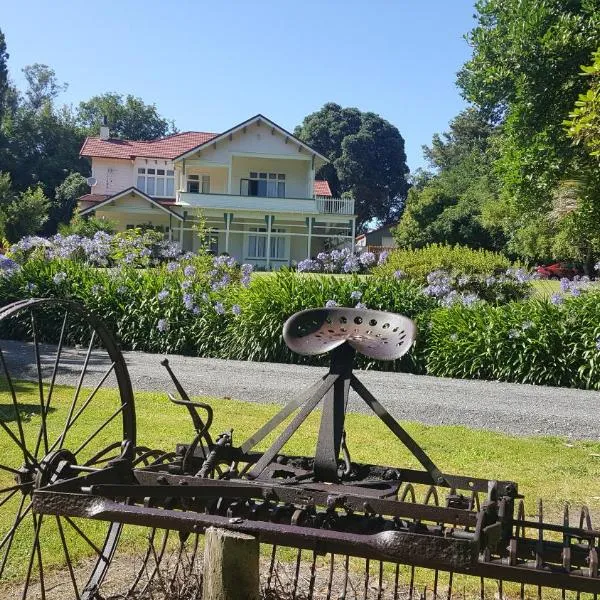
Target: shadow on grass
26,411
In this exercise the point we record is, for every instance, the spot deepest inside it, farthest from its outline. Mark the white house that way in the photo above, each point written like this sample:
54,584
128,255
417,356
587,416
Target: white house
254,185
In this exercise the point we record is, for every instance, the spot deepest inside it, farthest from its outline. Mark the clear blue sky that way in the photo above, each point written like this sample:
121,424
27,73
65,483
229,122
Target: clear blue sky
210,65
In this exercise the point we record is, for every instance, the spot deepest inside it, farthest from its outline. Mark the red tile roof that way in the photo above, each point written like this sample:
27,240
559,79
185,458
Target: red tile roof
168,147
321,188
93,198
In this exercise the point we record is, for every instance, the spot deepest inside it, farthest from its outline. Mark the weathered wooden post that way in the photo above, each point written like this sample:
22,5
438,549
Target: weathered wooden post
231,566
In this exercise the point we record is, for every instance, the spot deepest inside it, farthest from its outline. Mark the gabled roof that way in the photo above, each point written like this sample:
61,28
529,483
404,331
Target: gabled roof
133,190
321,188
168,147
254,119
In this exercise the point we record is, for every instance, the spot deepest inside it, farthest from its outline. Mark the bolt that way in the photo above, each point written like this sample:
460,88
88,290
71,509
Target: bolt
236,520
161,479
440,480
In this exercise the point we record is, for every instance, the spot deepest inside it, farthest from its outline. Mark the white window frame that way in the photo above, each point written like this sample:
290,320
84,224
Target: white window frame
279,241
203,181
142,177
271,178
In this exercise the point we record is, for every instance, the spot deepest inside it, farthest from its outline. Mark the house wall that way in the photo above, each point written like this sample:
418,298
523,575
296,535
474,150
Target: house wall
112,175
297,173
218,177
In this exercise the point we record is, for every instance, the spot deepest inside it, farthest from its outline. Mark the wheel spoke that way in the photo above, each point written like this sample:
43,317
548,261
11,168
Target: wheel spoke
12,488
13,396
52,381
26,454
39,558
61,439
37,526
38,364
85,537
67,557
85,404
11,534
3,502
89,439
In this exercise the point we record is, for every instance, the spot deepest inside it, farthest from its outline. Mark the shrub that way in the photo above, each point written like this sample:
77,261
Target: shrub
456,260
534,342
266,304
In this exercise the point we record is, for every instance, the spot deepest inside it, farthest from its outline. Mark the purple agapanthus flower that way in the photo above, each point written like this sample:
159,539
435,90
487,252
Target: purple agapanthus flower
356,295
331,304
236,309
398,274
59,278
162,295
360,305
189,271
188,301
557,299
172,267
219,308
186,284
162,325
30,287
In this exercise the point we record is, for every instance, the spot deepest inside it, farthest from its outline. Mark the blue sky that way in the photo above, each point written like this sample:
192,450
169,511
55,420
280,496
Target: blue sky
210,65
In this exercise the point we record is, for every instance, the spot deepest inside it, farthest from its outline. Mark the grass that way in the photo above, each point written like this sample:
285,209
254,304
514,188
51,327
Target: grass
545,467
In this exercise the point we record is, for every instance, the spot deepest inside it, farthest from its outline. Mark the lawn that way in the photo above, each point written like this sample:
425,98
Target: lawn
543,466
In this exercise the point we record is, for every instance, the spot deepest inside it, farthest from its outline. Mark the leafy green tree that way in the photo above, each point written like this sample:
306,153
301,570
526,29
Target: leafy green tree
128,117
4,85
42,85
21,214
87,226
65,197
524,75
445,206
367,159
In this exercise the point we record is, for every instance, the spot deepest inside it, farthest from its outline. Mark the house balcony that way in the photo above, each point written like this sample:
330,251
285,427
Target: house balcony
325,206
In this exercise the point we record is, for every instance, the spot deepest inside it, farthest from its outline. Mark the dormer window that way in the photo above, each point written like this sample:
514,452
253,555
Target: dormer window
156,182
266,185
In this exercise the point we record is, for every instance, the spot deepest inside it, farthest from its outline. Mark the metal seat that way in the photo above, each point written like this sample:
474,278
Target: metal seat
374,333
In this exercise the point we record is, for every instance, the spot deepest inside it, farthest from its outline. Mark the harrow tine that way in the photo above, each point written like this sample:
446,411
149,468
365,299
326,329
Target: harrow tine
271,566
346,568
380,581
366,588
330,580
296,573
396,581
450,582
313,574
411,585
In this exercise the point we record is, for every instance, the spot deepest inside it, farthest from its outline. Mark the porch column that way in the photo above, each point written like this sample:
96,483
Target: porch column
353,234
269,219
170,228
309,244
181,234
227,227
229,175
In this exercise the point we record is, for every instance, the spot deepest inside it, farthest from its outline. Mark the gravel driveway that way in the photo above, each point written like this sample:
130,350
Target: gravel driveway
506,407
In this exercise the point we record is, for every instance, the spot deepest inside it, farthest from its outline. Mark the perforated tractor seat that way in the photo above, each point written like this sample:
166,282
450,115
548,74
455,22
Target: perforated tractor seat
376,334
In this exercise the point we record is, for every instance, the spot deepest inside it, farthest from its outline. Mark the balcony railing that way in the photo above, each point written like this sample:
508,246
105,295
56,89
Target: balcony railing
335,206
328,206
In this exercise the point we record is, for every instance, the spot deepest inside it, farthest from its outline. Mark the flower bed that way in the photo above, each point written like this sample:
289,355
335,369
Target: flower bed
469,326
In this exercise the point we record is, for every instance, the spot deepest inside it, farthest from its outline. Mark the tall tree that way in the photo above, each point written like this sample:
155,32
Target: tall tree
524,74
3,75
367,159
42,85
128,117
447,205
65,197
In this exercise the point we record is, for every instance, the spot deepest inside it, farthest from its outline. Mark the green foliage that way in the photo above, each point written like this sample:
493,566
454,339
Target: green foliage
533,342
87,226
21,214
584,120
524,74
66,195
457,260
367,159
128,117
447,206
3,75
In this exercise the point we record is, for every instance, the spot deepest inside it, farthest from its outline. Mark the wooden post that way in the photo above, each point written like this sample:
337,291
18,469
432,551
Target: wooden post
231,566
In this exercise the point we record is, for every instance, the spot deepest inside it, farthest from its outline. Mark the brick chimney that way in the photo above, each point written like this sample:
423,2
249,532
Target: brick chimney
104,130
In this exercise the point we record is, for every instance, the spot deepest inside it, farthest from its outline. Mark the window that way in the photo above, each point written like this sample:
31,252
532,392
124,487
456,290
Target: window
277,244
257,243
156,182
267,185
197,184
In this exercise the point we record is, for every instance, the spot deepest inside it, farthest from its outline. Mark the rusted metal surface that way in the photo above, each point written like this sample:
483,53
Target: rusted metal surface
322,505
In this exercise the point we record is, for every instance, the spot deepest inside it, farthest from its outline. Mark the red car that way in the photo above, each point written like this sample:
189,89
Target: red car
557,270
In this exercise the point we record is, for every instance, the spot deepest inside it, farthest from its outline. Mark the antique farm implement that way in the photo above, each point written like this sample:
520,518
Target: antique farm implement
73,477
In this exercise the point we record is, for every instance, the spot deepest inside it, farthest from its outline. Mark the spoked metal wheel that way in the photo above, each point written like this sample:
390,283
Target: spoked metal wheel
66,407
